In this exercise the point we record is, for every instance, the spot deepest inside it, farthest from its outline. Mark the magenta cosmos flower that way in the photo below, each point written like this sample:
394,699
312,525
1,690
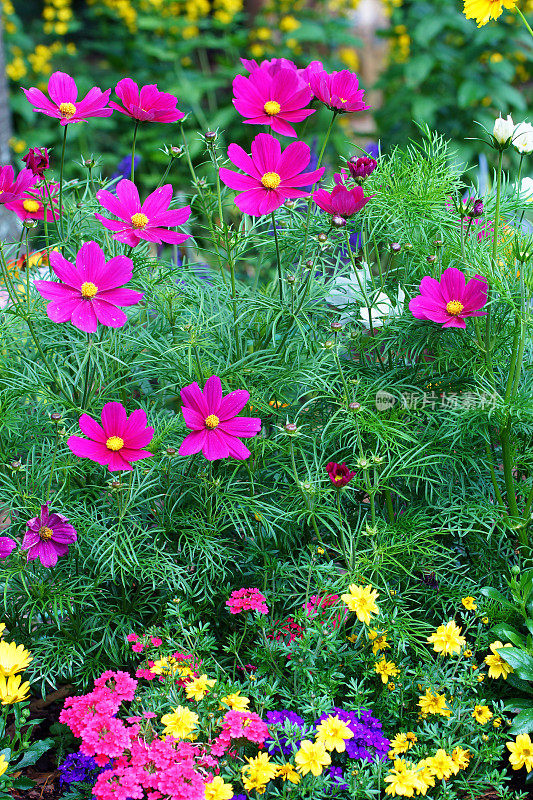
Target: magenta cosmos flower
37,160
339,91
451,299
118,442
341,201
147,104
275,100
214,422
149,221
91,291
339,474
31,204
10,188
63,103
7,546
272,176
48,537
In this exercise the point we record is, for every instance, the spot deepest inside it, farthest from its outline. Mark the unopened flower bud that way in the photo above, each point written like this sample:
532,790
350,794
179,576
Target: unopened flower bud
439,243
355,406
338,221
89,163
170,451
290,428
308,264
210,136
175,150
361,168
116,484
336,325
329,344
55,416
322,237
431,259
30,224
503,132
408,246
362,463
395,247
291,279
476,210
16,465
37,160
289,203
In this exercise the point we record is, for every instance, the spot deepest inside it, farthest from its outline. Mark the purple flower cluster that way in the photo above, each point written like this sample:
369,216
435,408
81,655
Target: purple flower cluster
76,768
368,742
288,746
337,776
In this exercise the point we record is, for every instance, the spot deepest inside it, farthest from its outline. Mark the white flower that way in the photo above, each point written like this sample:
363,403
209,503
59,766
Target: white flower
357,290
349,291
523,138
382,310
503,129
525,190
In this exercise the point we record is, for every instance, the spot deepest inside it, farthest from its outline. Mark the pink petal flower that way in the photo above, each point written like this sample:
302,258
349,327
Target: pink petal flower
338,90
47,537
274,99
147,104
450,300
63,103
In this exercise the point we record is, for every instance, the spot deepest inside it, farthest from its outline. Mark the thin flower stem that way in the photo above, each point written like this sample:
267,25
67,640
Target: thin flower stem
302,491
133,150
53,464
524,20
488,355
28,270
278,258
319,162
341,373
61,168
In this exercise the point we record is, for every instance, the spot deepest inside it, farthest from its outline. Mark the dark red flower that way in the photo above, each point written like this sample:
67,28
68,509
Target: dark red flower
37,160
339,474
361,168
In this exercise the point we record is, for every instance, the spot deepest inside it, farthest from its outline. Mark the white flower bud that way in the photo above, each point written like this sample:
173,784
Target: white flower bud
523,138
503,130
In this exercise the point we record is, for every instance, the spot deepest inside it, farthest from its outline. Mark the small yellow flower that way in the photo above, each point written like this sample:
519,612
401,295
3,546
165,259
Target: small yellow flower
197,688
497,722
498,667
469,603
332,733
287,773
461,757
362,600
180,723
236,702
481,677
447,639
218,790
386,669
433,704
12,691
3,764
258,772
289,24
485,620
391,686
13,658
401,743
485,10
467,653
482,714
442,765
312,757
521,752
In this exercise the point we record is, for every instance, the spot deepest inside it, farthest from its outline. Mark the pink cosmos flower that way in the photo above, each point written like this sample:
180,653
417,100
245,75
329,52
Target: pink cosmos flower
274,65
275,100
339,474
48,536
341,201
147,104
11,189
7,545
148,221
339,91
247,600
271,176
214,422
118,442
360,168
63,103
91,291
31,204
450,300
37,160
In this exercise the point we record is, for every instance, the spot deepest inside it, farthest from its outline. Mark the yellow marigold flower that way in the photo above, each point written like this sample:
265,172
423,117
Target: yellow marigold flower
11,690
405,779
258,772
180,723
485,10
197,688
288,24
3,764
218,790
400,744
2,628
311,757
362,600
485,620
13,658
469,603
391,686
332,733
171,666
521,752
236,702
447,639
467,653
498,667
379,642
386,669
482,714
461,757
441,765
433,704
426,775
287,773
497,722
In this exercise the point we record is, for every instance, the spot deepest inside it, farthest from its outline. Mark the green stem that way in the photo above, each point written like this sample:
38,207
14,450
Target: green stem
302,492
53,464
61,168
389,506
319,162
488,345
133,150
524,20
507,459
497,492
278,258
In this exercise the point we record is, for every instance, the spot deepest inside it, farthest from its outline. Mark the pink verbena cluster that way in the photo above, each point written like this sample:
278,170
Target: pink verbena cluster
239,727
247,600
318,607
144,642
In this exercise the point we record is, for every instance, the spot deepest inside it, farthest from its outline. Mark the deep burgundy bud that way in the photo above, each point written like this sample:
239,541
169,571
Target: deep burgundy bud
309,264
395,247
37,160
339,474
338,221
476,210
361,168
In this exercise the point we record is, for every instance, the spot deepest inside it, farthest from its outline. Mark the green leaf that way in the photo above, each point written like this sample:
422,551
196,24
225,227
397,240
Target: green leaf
504,631
522,723
34,752
494,594
521,661
418,68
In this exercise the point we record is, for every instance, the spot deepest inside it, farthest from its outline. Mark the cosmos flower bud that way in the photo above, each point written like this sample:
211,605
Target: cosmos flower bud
210,136
503,132
338,222
361,168
290,428
322,237
355,406
395,247
37,160
336,325
476,210
55,416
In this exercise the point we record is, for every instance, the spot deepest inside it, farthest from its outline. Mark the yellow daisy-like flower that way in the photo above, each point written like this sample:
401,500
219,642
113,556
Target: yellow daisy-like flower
399,744
447,639
287,773
405,779
426,775
12,691
218,790
521,752
258,772
386,669
461,757
180,723
485,10
332,733
469,603
498,667
379,641
312,757
482,714
13,658
2,628
3,764
236,702
441,764
433,704
197,688
171,666
362,600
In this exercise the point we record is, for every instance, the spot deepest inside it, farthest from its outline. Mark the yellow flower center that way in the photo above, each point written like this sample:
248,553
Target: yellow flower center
272,108
114,443
343,100
45,533
139,220
454,307
88,289
271,180
31,206
211,421
67,110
